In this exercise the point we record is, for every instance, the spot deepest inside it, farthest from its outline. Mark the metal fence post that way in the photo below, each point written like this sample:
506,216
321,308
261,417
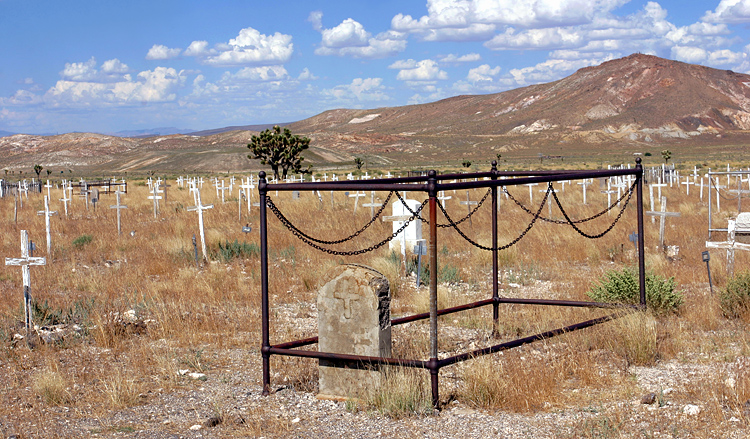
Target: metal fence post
495,303
641,252
266,345
433,363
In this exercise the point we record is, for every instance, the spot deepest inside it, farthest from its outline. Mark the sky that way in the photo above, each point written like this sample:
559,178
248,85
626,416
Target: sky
101,66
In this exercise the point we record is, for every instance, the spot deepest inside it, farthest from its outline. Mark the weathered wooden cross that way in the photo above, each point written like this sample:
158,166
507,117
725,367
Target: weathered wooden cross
25,261
372,204
470,203
730,245
155,196
200,208
356,197
118,206
47,214
65,200
662,217
583,184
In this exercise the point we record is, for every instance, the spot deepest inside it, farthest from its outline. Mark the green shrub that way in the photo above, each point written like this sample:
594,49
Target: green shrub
621,286
82,240
735,300
236,249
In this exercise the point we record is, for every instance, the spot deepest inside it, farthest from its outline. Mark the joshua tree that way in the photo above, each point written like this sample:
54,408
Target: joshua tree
38,170
280,150
666,155
358,162
466,163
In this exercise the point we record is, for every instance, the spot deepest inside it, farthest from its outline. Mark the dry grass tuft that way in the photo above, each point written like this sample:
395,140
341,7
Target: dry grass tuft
51,386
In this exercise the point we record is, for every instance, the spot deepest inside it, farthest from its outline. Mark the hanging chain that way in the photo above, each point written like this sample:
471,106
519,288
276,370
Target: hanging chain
627,193
479,204
339,241
302,237
506,246
581,232
719,192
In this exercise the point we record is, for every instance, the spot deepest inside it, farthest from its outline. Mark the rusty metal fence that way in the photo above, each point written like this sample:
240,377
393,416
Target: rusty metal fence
432,184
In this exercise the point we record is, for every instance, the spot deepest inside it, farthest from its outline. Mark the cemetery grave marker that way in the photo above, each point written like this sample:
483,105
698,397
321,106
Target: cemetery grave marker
47,214
353,318
470,203
662,217
730,245
25,261
118,206
200,208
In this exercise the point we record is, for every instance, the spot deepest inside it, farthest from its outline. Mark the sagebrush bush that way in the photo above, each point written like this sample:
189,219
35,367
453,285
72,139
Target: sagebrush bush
735,299
236,249
621,286
82,240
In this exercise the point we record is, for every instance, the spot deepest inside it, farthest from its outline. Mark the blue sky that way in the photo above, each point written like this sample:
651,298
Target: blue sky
81,65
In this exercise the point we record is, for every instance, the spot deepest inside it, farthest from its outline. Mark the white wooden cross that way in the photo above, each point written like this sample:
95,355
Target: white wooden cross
47,214
372,204
65,200
730,245
118,206
662,216
549,200
531,191
356,197
221,189
48,186
659,185
200,208
718,195
443,198
583,184
468,204
687,184
25,261
155,196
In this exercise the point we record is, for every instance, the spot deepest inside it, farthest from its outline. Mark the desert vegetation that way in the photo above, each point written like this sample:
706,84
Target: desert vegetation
151,341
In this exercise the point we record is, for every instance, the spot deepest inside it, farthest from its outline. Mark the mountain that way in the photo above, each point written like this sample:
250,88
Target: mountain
5,133
636,98
163,131
635,104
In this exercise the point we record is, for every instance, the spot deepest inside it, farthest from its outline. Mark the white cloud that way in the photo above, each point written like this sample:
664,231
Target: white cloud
158,51
112,70
199,48
316,18
550,38
306,75
404,64
729,11
83,71
688,54
483,73
462,20
257,74
348,33
425,70
250,47
158,85
452,58
351,39
360,89
551,70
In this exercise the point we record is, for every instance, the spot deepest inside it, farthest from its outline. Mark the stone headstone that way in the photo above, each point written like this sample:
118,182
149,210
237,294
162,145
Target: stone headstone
353,318
742,231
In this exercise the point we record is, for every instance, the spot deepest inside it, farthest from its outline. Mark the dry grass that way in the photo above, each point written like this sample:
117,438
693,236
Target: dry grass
187,317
